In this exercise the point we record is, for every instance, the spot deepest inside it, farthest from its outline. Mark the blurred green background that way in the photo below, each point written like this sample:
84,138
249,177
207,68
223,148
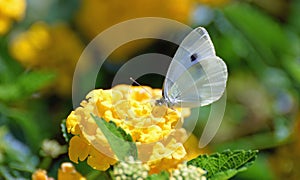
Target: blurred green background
41,41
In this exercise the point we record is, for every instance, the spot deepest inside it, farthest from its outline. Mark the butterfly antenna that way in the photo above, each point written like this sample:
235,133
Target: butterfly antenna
140,85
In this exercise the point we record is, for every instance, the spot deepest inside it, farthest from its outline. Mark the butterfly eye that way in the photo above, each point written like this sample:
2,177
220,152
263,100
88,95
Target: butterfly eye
194,57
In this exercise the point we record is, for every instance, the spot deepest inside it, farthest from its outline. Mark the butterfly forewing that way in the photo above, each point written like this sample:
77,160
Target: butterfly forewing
196,76
197,43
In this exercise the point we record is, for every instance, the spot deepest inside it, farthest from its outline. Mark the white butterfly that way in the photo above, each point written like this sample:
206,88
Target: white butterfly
196,76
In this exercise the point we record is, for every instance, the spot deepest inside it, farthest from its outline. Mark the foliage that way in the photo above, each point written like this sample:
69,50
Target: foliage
161,176
16,159
118,139
27,84
226,164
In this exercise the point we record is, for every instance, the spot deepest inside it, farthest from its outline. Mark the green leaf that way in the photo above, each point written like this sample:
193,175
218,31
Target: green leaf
17,160
33,135
265,34
120,142
293,67
64,131
25,85
161,176
225,165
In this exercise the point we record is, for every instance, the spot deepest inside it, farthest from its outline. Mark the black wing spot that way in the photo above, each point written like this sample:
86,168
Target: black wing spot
194,57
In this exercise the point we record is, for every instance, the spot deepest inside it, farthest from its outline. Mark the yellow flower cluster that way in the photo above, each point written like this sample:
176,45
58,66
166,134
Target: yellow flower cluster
10,10
158,139
66,172
49,47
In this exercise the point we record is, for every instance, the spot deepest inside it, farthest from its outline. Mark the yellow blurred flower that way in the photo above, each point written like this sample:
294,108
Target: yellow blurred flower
95,16
66,172
213,2
55,48
158,139
40,175
10,10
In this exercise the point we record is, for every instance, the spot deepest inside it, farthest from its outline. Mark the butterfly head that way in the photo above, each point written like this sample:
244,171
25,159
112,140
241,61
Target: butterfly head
160,108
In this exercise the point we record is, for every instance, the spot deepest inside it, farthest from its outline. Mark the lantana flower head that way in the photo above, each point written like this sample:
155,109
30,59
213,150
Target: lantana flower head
158,138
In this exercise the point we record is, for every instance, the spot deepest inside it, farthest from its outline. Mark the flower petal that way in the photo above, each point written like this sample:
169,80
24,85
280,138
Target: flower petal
78,149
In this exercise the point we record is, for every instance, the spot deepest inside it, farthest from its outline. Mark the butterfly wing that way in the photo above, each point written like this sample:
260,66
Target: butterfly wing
196,76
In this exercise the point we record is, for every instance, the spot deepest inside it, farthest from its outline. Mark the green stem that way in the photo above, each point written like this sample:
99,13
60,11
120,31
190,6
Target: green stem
46,162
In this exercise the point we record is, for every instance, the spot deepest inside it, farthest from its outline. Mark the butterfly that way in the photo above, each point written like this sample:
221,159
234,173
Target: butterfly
196,76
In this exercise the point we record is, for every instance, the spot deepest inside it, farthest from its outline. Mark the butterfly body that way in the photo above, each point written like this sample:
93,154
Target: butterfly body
165,102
